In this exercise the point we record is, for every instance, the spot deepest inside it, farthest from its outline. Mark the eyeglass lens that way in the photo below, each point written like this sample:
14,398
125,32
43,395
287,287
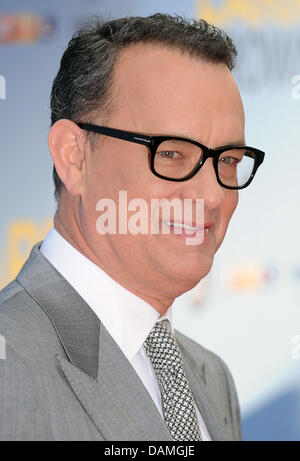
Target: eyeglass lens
176,159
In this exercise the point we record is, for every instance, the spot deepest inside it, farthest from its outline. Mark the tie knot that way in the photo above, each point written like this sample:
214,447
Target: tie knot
160,346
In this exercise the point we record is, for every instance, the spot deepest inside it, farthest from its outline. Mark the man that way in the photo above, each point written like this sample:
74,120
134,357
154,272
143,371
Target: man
90,347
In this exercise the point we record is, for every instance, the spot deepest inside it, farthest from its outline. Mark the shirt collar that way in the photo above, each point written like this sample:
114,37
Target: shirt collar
128,318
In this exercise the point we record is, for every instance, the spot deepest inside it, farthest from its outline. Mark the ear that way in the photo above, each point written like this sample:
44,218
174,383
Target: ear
66,143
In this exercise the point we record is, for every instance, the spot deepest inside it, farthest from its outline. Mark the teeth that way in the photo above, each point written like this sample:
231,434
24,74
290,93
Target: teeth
175,224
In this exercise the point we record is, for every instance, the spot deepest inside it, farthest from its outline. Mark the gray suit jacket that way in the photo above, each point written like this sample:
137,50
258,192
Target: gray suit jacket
64,378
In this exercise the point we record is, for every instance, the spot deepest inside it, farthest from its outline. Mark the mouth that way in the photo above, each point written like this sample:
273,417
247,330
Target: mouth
187,229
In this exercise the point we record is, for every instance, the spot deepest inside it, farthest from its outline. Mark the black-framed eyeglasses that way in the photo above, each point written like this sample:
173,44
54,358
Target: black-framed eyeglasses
178,159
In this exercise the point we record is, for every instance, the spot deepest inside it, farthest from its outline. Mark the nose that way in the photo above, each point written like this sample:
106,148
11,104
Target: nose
206,186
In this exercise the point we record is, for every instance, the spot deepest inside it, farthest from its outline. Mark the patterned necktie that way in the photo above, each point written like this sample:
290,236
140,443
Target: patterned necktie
177,400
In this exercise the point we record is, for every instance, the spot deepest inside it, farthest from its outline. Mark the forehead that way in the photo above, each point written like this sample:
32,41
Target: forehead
161,90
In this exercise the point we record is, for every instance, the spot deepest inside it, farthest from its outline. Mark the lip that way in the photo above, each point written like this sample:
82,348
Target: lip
197,226
189,233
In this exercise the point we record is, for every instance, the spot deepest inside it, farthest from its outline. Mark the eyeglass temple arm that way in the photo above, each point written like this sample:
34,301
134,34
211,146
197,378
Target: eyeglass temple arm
113,132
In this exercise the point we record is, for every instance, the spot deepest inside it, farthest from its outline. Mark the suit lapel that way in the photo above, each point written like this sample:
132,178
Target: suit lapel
76,324
116,401
214,420
97,370
212,417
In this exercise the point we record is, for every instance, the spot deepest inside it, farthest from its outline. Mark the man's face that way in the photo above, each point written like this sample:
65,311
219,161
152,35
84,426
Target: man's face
161,92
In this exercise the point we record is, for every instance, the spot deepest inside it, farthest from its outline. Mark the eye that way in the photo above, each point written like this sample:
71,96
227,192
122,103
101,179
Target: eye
169,154
230,160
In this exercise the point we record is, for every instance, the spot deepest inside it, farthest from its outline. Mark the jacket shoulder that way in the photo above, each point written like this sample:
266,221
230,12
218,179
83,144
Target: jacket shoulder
8,292
24,325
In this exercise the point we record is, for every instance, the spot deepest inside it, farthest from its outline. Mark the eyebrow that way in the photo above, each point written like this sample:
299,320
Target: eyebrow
240,142
237,143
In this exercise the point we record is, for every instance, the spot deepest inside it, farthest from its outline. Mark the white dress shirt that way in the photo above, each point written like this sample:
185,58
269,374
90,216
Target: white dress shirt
127,318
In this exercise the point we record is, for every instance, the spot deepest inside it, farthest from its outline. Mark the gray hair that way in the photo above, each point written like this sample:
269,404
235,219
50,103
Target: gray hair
83,83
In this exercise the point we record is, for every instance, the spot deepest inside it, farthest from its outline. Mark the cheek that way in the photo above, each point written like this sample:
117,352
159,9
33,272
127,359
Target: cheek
104,176
113,171
128,169
229,205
